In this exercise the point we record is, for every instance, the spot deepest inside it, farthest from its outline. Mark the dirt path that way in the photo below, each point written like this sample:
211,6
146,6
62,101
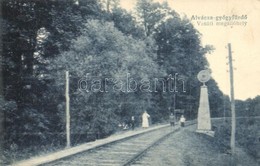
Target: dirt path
187,148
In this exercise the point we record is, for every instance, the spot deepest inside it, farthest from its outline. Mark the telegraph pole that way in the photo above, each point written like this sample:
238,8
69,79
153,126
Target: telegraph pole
1,92
224,111
67,110
233,118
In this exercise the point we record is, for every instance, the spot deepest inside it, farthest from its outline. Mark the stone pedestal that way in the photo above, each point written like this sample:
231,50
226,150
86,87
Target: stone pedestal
204,121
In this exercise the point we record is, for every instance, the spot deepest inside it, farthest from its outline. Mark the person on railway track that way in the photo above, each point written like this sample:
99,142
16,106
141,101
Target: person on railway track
182,120
145,119
172,119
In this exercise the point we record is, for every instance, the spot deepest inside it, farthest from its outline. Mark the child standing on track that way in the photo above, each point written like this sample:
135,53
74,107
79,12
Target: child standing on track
182,120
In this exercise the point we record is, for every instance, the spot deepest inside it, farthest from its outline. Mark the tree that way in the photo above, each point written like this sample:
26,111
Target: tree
218,102
103,52
111,4
151,14
248,108
34,32
179,52
126,23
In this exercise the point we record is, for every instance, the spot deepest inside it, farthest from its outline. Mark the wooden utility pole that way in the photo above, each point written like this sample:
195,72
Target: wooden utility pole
1,91
67,110
233,118
224,111
108,5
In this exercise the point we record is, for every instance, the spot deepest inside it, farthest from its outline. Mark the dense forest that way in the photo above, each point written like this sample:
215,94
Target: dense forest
97,39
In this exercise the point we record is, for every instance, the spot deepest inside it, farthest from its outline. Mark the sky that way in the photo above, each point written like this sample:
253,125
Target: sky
244,40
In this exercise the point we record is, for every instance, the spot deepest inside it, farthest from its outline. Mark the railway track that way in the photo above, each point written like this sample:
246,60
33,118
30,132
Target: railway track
123,152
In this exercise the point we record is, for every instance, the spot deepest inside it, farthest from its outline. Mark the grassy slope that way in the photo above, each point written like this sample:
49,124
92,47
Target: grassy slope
247,135
200,150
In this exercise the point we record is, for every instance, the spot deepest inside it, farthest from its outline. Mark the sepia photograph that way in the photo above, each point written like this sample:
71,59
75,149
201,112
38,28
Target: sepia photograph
129,83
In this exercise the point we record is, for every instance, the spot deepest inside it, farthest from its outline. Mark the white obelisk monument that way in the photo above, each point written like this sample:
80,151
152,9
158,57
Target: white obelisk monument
204,121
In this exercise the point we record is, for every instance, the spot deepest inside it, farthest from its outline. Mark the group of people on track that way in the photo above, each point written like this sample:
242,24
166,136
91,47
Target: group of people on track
173,119
146,120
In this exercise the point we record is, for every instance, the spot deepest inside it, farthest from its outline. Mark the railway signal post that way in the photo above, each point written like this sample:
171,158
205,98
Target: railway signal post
204,121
